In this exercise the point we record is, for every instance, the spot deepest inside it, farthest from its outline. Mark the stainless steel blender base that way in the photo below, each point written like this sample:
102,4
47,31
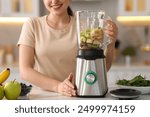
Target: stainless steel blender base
93,96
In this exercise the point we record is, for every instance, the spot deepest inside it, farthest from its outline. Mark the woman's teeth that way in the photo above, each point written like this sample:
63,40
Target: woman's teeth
56,6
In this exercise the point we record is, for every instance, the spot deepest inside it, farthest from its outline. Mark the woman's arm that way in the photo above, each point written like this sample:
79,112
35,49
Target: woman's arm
109,55
26,63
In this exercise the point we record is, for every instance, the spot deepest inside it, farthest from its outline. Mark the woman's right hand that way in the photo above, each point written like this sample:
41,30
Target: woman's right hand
66,87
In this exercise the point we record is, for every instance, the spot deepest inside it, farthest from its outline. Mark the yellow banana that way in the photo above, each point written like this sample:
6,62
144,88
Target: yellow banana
4,75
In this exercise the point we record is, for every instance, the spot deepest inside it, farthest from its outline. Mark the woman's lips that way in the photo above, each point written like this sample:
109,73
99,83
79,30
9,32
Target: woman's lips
56,6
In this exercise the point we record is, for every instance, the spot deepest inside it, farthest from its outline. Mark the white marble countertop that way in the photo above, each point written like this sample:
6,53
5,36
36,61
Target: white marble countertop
114,73
39,94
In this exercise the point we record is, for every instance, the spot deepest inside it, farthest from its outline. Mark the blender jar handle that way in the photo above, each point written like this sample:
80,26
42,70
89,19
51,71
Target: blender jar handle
107,40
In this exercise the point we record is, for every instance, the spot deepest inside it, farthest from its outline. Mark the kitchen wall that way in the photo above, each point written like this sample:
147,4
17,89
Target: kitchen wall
9,33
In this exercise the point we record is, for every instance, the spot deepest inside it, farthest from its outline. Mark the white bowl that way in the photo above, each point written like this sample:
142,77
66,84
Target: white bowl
143,90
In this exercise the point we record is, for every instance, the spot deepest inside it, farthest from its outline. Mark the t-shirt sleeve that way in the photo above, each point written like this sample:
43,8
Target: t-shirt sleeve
27,36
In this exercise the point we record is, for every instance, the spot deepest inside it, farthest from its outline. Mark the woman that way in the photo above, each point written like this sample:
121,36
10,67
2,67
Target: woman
48,46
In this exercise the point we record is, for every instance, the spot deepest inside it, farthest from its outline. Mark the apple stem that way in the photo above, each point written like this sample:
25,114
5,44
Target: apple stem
14,80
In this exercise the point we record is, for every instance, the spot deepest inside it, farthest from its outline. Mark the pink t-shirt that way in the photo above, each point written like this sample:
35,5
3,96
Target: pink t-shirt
55,50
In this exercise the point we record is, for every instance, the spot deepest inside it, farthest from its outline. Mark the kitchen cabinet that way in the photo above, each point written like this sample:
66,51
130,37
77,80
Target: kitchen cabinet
19,8
134,7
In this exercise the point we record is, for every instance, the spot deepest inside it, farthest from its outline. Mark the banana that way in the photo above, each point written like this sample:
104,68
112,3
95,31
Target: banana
4,75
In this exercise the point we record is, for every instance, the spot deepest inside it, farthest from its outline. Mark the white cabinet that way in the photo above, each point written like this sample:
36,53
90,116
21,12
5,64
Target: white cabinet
134,7
18,8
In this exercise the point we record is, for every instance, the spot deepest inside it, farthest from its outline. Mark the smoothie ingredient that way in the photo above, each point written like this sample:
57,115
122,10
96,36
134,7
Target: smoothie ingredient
91,38
136,81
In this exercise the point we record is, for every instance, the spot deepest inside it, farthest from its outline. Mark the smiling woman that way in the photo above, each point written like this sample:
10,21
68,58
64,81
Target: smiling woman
48,48
58,9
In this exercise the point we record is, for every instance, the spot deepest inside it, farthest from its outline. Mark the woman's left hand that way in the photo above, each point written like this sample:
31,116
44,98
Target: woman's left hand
111,30
66,87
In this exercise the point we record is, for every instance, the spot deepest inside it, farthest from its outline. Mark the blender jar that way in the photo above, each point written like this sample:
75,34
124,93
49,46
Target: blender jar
91,73
90,25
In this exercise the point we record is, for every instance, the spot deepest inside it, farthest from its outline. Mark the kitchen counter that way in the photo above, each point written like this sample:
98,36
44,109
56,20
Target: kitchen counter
39,94
117,71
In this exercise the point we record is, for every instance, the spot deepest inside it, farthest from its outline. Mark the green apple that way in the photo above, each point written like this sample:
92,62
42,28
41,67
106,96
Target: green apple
12,90
1,92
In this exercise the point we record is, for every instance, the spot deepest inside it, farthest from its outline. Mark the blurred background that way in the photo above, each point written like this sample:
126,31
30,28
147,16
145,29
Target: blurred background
131,16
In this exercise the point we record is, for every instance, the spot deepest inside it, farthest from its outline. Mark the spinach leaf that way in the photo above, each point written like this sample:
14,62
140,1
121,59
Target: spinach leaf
136,81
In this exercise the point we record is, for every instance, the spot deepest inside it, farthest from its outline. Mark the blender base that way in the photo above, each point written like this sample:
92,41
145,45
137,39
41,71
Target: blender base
93,96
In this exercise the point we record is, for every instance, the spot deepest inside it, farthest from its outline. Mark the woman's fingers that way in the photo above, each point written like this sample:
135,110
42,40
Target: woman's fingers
68,86
70,77
110,23
111,30
111,34
67,93
68,81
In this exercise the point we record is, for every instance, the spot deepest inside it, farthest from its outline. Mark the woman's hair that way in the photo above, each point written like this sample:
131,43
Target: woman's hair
70,12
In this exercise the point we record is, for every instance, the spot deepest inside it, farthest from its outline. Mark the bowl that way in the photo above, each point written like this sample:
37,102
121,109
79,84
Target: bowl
125,93
25,89
142,89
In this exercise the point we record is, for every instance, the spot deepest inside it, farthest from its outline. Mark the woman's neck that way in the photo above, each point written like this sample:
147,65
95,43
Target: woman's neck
57,21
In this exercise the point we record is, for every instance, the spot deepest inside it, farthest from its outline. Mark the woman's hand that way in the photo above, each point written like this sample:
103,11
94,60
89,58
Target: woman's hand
111,30
66,87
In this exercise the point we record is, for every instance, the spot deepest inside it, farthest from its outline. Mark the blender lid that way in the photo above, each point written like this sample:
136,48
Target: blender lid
90,54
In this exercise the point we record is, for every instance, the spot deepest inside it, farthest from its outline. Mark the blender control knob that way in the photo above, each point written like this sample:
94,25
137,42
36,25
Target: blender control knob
90,77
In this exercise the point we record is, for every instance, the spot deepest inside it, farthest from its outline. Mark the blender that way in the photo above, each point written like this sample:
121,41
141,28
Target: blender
91,73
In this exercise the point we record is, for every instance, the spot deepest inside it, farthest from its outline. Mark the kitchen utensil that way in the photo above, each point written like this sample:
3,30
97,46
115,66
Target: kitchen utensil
90,26
125,93
25,89
91,78
142,89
